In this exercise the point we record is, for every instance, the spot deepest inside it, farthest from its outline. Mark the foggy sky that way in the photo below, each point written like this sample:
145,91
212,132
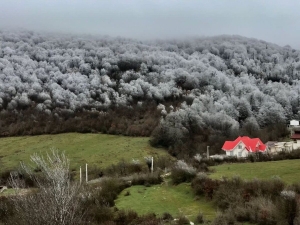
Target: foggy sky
276,21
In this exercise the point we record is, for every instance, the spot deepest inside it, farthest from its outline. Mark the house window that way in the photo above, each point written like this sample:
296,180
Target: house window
231,153
240,154
240,147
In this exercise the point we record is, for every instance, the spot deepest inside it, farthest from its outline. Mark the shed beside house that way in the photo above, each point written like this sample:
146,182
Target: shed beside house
296,139
271,147
283,147
243,146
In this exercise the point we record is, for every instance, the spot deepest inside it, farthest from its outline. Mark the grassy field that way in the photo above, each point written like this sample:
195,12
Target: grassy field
162,198
287,170
99,150
10,191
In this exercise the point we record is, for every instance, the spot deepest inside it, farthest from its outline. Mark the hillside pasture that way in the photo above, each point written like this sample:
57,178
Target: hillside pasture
287,170
176,200
98,150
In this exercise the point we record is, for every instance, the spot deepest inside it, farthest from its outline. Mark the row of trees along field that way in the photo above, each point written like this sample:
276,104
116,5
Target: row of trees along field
186,93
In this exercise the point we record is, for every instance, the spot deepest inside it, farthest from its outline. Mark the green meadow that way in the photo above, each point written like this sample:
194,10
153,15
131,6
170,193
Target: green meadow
176,200
98,150
287,170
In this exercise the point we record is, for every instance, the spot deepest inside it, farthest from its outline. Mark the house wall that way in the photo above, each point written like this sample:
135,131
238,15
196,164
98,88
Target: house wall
238,151
271,150
284,146
296,144
294,123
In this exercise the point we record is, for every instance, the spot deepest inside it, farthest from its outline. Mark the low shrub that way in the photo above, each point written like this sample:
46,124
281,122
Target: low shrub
94,172
125,217
97,213
224,219
6,209
182,220
123,168
167,216
162,163
224,197
295,187
199,218
271,188
135,167
147,179
182,172
109,222
98,200
200,165
6,175
106,191
241,213
148,219
262,211
203,185
287,206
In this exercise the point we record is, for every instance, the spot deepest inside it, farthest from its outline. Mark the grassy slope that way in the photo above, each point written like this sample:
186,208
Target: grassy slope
287,170
165,198
99,150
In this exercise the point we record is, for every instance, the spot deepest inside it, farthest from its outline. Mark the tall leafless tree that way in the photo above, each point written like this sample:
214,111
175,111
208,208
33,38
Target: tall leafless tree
56,201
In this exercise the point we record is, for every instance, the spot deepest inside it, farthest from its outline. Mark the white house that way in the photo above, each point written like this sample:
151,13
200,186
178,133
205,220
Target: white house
243,146
294,123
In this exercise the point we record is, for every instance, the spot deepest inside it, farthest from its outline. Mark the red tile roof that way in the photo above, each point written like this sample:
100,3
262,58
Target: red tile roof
251,144
295,136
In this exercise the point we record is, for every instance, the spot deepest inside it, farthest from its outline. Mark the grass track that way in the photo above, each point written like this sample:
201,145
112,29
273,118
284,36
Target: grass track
287,170
99,150
165,198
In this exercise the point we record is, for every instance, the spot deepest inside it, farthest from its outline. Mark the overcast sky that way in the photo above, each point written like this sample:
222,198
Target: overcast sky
277,21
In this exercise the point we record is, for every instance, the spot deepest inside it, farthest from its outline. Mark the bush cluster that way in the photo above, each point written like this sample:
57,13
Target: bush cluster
6,209
146,179
263,202
99,199
203,185
202,164
182,172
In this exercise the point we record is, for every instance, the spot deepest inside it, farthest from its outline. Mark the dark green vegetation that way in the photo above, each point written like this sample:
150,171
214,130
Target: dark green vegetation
256,201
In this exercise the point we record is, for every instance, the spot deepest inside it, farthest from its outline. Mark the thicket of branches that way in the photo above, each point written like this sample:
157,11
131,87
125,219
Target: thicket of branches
205,89
56,200
255,201
59,200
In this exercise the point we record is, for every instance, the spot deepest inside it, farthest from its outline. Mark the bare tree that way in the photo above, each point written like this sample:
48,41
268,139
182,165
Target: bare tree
56,201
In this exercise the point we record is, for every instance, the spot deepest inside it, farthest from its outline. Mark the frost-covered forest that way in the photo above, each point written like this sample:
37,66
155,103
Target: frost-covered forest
199,91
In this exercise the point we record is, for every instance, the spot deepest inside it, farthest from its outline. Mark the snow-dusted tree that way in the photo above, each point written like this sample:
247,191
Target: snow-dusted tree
270,113
250,127
230,75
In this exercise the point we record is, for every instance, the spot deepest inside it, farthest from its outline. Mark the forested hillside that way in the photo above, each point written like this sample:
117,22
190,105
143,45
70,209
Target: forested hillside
186,93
